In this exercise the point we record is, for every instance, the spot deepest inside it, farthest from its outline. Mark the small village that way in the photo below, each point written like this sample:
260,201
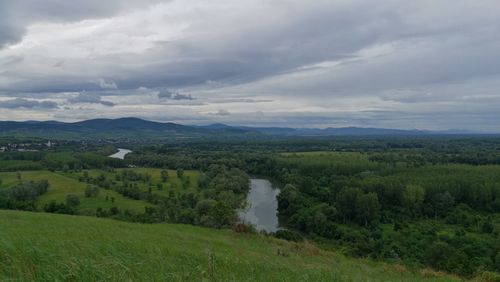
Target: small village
26,147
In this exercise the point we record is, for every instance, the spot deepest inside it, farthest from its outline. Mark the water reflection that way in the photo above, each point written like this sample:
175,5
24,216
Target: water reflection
263,208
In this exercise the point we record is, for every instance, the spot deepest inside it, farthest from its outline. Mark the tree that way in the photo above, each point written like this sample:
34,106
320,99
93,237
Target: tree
413,197
289,200
203,181
367,208
487,226
346,202
91,191
203,207
497,262
164,175
441,203
72,200
222,214
180,172
65,168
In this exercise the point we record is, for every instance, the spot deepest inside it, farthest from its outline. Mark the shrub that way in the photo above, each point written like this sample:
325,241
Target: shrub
72,200
244,228
288,235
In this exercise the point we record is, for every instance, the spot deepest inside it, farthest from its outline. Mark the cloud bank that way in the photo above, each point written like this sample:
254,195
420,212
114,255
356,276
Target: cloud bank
424,64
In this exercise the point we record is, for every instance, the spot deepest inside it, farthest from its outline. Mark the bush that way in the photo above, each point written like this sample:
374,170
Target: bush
488,276
244,228
91,191
72,200
289,235
54,207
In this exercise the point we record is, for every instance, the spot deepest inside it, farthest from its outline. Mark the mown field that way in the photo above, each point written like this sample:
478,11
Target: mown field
49,247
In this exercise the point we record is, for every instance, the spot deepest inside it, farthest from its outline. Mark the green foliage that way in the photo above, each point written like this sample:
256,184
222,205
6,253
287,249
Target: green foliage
222,214
180,172
404,200
289,235
164,175
349,200
72,200
91,191
16,165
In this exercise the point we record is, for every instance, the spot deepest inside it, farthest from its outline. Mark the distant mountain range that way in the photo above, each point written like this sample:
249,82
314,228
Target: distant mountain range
135,128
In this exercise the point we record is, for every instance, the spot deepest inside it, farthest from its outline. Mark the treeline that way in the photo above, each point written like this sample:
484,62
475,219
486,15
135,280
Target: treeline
23,195
57,160
221,190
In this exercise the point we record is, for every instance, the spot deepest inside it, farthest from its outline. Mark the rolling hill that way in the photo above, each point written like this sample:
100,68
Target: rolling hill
135,127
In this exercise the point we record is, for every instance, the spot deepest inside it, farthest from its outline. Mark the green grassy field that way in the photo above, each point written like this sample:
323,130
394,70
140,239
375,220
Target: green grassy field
61,185
173,184
339,161
49,247
65,183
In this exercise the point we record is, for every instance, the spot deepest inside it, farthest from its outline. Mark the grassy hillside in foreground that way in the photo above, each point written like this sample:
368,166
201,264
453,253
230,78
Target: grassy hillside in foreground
49,247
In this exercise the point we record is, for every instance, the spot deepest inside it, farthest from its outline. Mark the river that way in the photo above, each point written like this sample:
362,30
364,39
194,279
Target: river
120,154
263,210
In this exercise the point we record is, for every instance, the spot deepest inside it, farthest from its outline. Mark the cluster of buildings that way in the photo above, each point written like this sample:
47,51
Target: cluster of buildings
26,147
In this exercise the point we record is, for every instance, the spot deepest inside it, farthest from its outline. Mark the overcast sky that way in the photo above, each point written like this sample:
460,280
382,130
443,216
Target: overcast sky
427,64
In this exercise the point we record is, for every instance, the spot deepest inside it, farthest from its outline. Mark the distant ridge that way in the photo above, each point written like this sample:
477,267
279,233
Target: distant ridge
136,127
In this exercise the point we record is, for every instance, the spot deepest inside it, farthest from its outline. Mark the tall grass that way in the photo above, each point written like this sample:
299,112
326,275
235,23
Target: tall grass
48,247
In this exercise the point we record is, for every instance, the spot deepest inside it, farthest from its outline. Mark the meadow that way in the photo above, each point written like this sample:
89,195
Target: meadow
63,184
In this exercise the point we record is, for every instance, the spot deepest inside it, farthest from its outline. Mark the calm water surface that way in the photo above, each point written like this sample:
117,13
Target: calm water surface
120,154
263,206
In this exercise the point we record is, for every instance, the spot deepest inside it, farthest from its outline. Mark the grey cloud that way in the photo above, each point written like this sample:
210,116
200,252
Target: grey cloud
27,104
9,60
16,16
179,96
89,98
424,57
410,96
240,100
221,55
167,94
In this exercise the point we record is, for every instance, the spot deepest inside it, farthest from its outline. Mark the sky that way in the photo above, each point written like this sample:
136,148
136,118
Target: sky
427,64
